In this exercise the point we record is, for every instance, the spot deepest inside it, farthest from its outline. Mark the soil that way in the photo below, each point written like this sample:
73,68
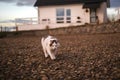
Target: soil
80,57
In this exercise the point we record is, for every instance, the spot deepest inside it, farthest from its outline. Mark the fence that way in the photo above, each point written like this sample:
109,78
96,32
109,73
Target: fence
8,29
53,20
24,21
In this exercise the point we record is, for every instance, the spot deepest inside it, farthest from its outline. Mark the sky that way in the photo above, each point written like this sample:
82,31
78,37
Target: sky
17,8
12,9
113,5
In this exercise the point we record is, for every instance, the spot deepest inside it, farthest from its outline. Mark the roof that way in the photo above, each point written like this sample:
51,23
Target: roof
92,5
63,2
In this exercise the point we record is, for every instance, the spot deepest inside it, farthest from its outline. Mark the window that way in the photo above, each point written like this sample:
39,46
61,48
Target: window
68,12
68,16
60,18
63,15
92,15
45,21
60,15
60,12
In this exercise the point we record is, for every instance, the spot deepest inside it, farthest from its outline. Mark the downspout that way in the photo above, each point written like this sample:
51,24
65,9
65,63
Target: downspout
38,16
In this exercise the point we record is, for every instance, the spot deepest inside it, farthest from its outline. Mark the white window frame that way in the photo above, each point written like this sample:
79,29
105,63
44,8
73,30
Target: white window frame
65,18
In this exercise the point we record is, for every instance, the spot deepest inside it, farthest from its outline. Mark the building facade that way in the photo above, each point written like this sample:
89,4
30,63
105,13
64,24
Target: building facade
71,12
65,13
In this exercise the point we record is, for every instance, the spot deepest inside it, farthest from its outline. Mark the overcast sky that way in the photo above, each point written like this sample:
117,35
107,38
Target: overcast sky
114,3
20,2
11,9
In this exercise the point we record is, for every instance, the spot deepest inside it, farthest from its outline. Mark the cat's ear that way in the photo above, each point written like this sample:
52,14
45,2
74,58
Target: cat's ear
51,42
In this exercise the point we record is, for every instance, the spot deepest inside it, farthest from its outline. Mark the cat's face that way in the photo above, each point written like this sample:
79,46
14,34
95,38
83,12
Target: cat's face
54,44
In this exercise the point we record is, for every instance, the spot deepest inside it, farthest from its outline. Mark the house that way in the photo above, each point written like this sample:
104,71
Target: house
65,13
59,13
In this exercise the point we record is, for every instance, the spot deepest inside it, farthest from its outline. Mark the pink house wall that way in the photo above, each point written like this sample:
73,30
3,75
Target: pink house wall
49,12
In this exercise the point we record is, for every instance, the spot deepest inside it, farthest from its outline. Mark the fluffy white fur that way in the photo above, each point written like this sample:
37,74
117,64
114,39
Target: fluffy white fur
50,45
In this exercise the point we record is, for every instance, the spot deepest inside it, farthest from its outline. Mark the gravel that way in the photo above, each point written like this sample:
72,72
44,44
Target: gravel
80,57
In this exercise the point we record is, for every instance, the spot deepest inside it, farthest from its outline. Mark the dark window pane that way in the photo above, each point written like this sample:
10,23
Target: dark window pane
68,18
68,21
44,19
60,18
68,12
59,12
78,21
60,21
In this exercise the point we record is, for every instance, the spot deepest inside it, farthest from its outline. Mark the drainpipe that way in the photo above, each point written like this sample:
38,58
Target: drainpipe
38,16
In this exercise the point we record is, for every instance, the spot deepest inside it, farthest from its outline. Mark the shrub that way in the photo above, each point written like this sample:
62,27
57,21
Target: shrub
3,34
16,33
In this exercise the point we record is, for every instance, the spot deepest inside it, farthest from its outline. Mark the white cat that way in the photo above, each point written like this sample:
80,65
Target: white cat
50,45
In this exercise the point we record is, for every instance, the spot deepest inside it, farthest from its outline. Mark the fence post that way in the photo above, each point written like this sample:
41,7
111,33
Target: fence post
1,29
16,28
31,20
5,29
